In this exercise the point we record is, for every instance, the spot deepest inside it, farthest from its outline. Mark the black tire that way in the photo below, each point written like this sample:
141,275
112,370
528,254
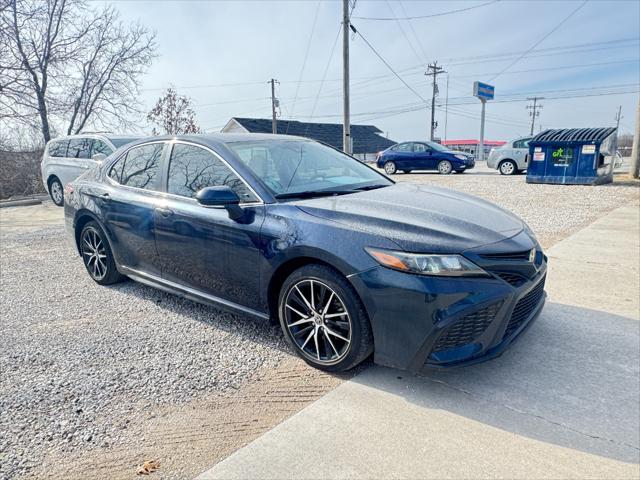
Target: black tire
56,191
445,167
390,168
93,243
335,298
508,167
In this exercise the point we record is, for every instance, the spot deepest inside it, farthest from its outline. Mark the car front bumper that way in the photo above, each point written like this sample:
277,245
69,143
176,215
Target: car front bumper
424,323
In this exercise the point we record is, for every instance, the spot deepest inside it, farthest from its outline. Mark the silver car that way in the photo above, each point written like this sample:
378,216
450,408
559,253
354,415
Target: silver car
511,158
66,158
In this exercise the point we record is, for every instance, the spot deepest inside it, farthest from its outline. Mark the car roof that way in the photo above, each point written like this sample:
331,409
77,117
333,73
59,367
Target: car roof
217,140
108,136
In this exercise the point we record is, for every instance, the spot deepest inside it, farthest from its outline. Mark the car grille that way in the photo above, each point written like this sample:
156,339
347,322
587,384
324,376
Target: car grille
524,307
511,278
507,256
469,328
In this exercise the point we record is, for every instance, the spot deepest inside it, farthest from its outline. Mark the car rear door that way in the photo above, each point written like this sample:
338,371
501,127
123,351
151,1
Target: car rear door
127,205
78,158
201,247
403,155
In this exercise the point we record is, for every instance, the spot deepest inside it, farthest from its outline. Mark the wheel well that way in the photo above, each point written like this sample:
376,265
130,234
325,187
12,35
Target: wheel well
50,179
82,220
507,160
281,274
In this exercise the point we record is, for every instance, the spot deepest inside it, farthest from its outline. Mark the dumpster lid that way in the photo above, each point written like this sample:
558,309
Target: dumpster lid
595,135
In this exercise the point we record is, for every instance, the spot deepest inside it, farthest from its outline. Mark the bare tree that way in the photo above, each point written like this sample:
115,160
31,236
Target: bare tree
173,114
65,66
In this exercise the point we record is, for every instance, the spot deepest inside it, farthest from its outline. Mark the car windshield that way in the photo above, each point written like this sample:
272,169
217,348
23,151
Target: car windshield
437,146
291,168
120,141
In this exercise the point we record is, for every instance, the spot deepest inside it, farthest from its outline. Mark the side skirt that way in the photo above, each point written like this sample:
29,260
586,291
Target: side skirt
187,292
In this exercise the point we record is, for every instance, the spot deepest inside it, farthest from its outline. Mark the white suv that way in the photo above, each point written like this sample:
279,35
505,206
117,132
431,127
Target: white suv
511,158
66,158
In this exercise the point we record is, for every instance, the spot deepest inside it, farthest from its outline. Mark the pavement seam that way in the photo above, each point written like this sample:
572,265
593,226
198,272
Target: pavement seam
532,415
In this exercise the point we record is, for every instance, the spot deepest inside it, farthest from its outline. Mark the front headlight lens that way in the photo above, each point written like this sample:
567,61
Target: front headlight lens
461,157
426,264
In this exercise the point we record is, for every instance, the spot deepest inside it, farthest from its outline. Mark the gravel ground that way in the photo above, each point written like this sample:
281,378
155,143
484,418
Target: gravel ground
85,370
80,361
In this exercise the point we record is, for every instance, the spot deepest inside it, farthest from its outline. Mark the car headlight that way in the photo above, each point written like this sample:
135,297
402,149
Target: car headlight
426,264
461,157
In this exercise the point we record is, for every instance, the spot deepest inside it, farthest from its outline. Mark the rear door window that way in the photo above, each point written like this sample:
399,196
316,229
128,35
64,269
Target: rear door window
405,147
79,148
139,167
58,149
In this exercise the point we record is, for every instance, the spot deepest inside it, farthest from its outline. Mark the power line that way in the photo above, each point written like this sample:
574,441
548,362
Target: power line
306,55
541,40
432,15
357,32
326,70
404,34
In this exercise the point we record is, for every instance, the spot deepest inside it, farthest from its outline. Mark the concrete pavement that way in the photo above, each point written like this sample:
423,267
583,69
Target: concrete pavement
562,403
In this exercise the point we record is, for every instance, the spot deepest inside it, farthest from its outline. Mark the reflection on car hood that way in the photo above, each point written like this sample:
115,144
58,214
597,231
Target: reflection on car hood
419,218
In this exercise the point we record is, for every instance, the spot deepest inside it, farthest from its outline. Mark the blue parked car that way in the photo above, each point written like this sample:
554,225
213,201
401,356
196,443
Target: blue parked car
410,156
348,262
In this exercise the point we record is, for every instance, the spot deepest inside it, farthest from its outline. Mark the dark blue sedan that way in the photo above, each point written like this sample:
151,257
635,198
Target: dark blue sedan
286,229
409,156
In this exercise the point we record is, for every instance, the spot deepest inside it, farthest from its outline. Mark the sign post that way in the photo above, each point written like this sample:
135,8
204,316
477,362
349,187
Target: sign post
483,92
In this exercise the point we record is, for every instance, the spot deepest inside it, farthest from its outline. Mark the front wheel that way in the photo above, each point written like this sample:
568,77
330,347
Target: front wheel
390,168
445,167
97,256
324,320
508,168
56,192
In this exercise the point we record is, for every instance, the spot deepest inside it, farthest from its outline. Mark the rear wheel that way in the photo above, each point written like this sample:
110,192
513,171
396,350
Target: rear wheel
445,167
508,167
97,256
324,320
56,192
390,168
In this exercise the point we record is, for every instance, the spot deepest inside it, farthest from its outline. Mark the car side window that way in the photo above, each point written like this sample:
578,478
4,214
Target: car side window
99,146
193,168
522,143
58,149
420,147
405,147
79,148
139,167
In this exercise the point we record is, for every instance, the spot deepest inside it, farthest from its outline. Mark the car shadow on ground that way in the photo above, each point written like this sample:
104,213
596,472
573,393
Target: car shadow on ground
572,380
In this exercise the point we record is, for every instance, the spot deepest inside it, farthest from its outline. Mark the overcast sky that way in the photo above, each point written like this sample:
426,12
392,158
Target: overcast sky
222,53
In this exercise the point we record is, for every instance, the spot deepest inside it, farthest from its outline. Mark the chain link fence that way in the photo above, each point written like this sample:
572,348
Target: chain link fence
20,174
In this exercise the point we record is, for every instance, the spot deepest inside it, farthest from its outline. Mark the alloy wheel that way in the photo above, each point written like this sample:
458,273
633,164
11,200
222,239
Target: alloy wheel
507,168
390,168
444,167
94,253
56,192
318,321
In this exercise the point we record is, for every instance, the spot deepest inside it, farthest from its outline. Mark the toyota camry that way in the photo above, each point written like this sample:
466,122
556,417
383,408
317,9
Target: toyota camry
348,262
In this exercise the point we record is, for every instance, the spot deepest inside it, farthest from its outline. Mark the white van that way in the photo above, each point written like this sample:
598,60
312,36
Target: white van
66,158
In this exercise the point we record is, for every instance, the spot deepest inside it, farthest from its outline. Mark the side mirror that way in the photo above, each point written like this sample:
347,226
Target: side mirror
98,157
221,197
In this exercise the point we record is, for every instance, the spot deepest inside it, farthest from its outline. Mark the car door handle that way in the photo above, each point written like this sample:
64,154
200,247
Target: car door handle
165,212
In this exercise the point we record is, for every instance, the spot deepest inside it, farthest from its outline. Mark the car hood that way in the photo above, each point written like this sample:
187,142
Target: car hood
419,218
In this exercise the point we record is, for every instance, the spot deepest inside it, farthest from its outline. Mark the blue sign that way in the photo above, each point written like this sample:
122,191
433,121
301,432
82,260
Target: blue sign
483,91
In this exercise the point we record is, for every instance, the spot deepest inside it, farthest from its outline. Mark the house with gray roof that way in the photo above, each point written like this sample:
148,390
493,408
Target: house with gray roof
367,140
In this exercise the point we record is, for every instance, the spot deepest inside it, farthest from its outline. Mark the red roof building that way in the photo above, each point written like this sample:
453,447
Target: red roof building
471,145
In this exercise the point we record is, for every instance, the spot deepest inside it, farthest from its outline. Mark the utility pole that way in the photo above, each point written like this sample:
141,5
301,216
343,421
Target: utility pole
434,71
534,110
446,110
346,132
634,169
614,150
274,104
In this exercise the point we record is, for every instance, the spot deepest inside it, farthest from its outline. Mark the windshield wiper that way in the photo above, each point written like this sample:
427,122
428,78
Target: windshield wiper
312,193
370,187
